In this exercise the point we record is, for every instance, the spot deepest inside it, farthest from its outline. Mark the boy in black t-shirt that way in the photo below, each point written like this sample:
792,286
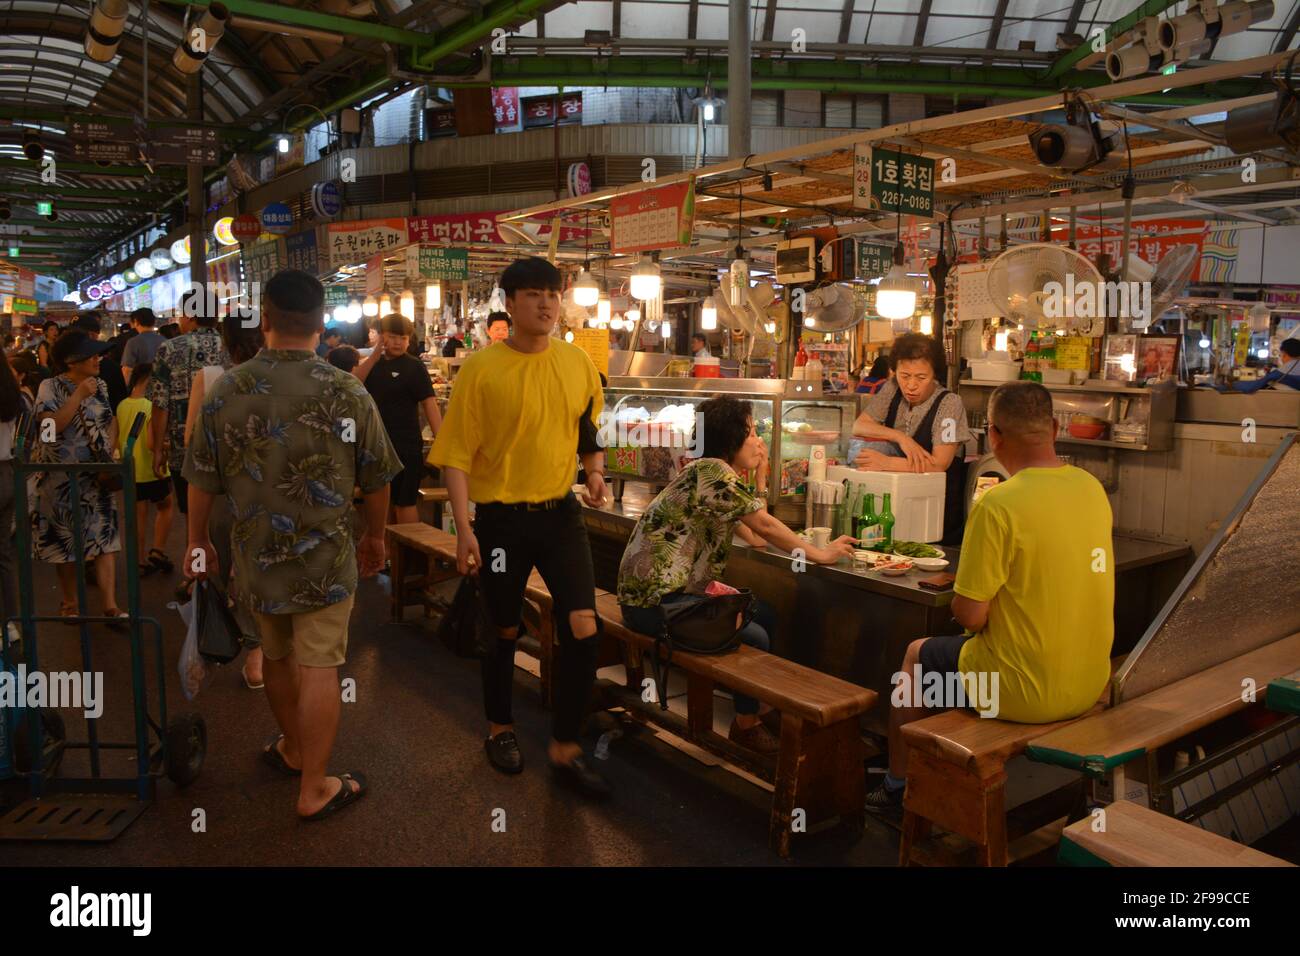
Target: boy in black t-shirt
400,386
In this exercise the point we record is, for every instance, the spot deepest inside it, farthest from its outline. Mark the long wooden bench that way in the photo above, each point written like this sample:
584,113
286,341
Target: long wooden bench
956,779
1131,835
819,767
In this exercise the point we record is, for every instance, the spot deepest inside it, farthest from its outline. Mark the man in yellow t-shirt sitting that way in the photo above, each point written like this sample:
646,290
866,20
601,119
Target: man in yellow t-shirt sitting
522,412
1035,592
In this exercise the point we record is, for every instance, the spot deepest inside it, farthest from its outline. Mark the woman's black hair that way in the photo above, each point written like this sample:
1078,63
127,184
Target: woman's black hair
344,357
499,317
241,342
531,273
880,367
1290,348
914,345
726,423
139,374
9,394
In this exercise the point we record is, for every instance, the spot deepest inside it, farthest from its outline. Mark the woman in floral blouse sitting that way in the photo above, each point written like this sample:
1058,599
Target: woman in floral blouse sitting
681,543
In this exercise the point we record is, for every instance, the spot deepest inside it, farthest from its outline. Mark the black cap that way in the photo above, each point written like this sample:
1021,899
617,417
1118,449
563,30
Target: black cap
76,346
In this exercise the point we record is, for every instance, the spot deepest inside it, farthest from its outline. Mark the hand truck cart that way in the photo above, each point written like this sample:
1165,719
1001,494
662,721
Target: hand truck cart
97,807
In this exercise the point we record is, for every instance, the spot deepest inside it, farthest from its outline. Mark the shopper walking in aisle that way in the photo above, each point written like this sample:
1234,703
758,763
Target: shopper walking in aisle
13,403
399,384
149,488
242,344
76,400
520,414
498,326
287,437
110,370
176,363
143,346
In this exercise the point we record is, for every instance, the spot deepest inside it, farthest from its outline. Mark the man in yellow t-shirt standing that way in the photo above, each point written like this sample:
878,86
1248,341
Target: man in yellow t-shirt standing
522,412
1035,592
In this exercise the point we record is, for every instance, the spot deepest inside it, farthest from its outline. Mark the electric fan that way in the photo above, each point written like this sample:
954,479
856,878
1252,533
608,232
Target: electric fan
1026,282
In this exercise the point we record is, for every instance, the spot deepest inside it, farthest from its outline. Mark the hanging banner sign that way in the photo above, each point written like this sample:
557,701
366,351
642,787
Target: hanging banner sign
659,218
892,181
26,285
302,253
375,274
263,260
351,243
475,228
277,219
440,262
505,109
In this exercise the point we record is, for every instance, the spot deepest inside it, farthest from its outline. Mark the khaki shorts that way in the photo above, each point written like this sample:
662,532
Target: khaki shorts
316,638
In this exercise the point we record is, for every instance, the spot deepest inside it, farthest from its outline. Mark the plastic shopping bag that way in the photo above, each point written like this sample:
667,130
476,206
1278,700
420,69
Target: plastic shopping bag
194,672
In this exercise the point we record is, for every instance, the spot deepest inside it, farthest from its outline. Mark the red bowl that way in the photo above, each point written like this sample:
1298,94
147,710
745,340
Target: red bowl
1087,432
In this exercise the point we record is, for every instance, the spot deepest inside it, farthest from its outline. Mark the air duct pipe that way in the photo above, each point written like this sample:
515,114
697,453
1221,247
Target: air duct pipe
104,32
1212,23
200,39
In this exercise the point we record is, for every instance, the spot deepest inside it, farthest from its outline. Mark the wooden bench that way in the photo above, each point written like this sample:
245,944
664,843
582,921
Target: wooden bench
438,497
956,779
1132,835
819,766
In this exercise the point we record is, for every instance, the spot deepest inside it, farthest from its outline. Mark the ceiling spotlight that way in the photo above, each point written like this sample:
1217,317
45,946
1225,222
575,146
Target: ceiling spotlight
282,143
201,38
104,32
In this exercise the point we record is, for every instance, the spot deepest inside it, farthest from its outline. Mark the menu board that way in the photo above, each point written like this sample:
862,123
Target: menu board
1073,352
658,218
595,342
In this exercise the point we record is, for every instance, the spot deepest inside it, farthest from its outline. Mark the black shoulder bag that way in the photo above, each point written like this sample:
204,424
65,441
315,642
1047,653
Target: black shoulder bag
705,624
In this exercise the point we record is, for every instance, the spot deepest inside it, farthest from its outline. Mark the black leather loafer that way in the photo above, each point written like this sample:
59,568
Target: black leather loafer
577,775
503,752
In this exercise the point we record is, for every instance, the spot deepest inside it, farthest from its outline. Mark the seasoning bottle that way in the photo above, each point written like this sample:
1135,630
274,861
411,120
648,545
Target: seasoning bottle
886,520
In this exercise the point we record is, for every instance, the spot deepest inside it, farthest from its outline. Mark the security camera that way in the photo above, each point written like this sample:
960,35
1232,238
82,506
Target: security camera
1075,146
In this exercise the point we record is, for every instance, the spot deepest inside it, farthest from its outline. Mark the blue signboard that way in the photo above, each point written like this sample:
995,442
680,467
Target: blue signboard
326,200
277,218
301,252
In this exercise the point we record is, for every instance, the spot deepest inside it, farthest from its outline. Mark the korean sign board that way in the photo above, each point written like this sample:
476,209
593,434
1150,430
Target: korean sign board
351,243
301,252
659,218
262,260
892,181
440,262
174,145
505,109
541,110
873,260
471,228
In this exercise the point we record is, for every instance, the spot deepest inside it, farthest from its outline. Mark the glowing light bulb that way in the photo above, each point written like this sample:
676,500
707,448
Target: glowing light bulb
646,280
385,305
896,295
370,307
666,329
568,336
1204,342
927,324
407,304
632,317
586,292
709,315
1000,341
433,295
604,309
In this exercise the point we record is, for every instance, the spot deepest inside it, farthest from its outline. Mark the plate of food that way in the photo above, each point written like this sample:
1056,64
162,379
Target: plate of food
896,568
916,549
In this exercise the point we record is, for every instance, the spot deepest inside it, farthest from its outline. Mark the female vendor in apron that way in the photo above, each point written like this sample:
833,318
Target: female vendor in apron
915,424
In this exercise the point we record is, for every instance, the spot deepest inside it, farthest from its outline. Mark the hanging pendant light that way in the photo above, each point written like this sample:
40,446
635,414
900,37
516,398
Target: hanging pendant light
616,323
646,280
709,314
586,291
770,327
604,309
666,329
632,316
370,306
433,295
927,324
738,280
896,293
385,305
407,304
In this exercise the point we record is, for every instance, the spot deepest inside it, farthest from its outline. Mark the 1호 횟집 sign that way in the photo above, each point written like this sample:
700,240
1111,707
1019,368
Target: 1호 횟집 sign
892,181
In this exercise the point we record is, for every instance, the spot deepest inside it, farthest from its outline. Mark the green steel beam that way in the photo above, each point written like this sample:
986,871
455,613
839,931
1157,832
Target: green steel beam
1149,8
827,76
77,192
471,29
65,118
61,224
299,17
86,205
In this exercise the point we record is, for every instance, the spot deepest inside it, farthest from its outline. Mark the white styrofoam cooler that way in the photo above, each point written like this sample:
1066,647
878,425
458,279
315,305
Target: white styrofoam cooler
915,499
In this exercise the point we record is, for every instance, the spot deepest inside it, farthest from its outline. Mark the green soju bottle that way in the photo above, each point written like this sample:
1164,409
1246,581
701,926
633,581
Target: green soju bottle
868,531
886,519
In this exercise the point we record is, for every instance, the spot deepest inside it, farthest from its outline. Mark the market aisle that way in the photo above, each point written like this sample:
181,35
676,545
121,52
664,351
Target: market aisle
415,730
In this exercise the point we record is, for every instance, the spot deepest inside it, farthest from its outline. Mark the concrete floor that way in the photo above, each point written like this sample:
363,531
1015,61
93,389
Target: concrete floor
416,731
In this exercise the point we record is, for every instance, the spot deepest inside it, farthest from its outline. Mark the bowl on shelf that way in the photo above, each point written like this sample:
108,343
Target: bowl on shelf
931,564
1057,376
991,370
1087,431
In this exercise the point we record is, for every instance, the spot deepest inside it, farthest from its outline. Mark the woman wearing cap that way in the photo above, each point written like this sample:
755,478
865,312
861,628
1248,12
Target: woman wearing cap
76,401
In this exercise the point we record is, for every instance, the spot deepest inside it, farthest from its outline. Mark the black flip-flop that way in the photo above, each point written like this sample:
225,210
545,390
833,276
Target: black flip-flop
271,755
158,558
345,796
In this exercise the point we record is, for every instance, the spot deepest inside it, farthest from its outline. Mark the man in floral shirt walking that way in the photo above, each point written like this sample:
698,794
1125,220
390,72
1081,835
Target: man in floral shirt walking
287,436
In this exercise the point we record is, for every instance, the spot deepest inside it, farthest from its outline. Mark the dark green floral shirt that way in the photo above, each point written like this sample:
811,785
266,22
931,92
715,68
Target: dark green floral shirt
682,541
287,436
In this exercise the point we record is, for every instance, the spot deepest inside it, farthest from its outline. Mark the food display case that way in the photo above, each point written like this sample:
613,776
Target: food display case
647,428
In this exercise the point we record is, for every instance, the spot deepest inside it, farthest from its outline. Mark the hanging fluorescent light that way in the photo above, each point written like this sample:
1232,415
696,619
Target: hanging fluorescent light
709,314
586,291
927,324
370,306
646,279
666,329
604,309
407,304
433,295
738,280
385,305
